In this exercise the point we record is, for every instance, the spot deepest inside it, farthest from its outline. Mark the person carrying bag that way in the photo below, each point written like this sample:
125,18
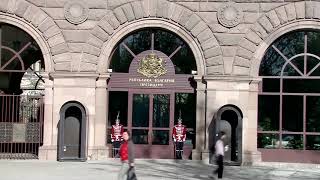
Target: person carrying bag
127,171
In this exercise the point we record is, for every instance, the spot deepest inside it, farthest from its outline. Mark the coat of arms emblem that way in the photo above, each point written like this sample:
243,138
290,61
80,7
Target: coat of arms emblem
152,66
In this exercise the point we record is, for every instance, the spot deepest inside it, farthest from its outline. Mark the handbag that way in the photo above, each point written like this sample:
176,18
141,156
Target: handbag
131,174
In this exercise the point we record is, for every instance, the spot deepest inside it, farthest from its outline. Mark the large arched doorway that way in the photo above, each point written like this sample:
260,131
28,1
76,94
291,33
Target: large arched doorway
150,84
289,97
72,132
21,94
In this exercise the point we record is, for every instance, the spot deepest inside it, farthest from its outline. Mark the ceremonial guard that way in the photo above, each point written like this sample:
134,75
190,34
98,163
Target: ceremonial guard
116,136
179,137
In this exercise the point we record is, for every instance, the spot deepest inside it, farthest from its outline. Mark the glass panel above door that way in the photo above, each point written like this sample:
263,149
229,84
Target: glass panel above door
161,110
140,110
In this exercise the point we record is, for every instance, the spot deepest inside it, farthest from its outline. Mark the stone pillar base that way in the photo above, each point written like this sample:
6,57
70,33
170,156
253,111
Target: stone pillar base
196,155
205,156
98,153
48,153
249,157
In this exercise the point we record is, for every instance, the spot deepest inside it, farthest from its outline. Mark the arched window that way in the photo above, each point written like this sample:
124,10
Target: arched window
289,97
157,39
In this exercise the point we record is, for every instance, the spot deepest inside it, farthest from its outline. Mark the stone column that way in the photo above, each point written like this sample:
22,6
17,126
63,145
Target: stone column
250,150
200,120
100,151
48,151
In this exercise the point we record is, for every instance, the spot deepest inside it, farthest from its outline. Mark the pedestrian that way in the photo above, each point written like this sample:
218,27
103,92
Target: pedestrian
127,158
219,154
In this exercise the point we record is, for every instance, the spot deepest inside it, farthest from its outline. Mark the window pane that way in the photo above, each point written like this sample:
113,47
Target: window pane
301,85
298,62
268,113
292,141
313,38
313,142
292,113
160,137
140,136
271,63
291,44
268,141
118,102
186,103
270,85
290,71
161,110
312,62
313,114
140,110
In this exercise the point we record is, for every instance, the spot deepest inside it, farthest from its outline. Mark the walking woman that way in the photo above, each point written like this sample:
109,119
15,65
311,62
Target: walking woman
126,156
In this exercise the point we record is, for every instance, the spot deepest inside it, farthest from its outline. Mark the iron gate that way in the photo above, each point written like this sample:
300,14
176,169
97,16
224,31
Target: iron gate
21,126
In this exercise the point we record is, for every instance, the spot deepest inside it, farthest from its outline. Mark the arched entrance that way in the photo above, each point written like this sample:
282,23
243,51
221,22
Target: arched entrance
21,94
72,132
152,79
229,120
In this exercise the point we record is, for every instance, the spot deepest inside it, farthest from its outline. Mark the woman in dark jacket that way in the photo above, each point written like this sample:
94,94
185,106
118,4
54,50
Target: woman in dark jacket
126,155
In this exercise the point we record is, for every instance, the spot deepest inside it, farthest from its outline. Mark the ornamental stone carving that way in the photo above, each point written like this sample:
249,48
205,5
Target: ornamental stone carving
229,15
76,11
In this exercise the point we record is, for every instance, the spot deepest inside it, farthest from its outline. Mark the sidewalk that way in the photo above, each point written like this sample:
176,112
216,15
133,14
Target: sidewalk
146,170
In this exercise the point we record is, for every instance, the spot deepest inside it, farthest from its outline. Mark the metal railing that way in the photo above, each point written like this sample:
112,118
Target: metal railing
21,126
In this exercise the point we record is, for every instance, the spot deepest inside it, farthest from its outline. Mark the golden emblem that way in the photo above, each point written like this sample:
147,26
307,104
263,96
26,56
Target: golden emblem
152,66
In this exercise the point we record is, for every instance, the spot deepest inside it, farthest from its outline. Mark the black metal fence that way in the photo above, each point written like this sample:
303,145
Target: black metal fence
21,126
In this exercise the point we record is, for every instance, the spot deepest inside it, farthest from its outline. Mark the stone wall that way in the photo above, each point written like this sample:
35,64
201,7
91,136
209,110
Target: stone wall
228,33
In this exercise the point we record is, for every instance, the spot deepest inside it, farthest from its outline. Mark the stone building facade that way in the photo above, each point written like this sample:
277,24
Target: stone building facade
228,40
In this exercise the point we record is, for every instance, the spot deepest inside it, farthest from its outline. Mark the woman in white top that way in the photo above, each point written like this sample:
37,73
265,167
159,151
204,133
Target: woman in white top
219,153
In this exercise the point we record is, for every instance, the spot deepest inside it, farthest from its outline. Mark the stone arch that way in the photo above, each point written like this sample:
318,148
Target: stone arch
162,10
42,28
272,24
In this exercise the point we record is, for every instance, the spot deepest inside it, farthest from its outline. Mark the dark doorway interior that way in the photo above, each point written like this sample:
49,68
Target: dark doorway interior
72,132
231,117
